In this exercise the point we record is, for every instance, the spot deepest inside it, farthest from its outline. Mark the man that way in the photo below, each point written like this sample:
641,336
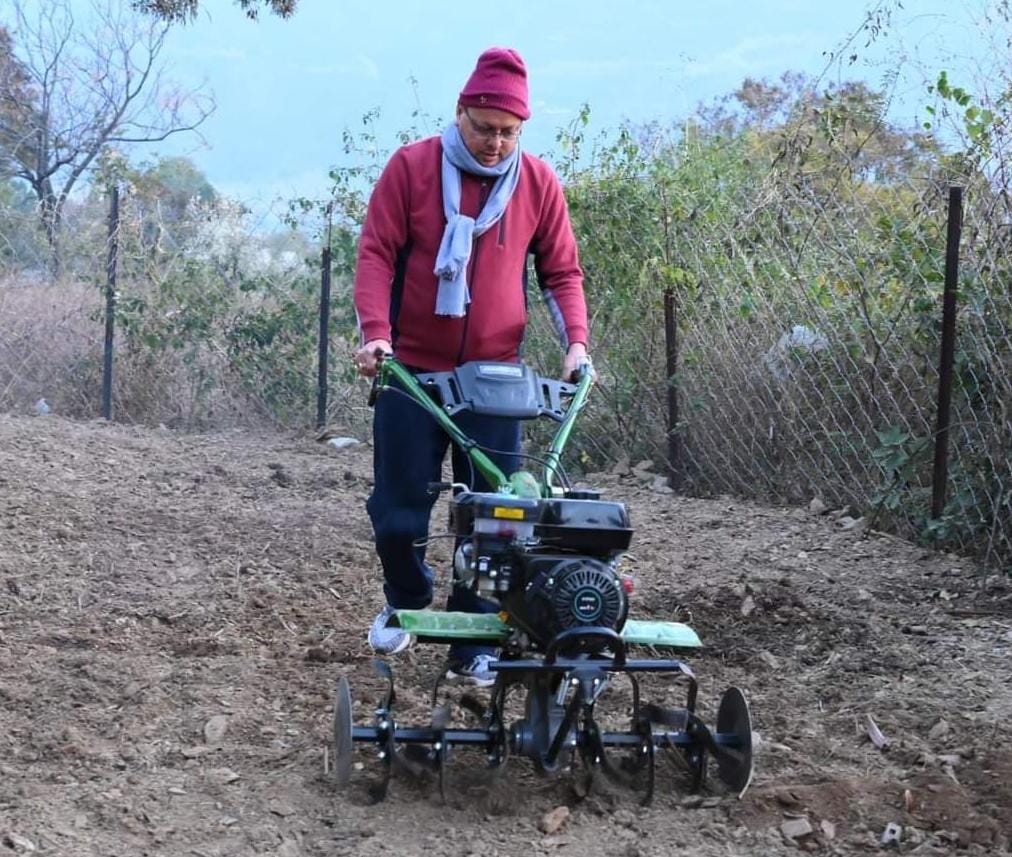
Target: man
440,281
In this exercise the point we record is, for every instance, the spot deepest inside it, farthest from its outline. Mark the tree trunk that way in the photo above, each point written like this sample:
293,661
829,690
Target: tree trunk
51,213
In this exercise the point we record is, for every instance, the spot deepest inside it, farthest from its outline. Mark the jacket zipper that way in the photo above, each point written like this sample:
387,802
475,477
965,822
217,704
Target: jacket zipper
482,199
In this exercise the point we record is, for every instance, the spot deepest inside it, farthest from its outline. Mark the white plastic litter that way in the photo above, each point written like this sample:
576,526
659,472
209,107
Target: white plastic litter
797,342
342,442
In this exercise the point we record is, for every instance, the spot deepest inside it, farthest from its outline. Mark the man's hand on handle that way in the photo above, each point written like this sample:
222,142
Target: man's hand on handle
576,357
366,357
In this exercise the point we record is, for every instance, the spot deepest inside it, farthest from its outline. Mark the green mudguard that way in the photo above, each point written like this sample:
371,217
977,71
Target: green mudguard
437,625
660,634
453,626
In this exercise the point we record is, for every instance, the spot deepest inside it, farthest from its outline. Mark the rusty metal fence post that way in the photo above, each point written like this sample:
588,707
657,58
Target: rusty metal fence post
947,351
675,464
110,301
324,340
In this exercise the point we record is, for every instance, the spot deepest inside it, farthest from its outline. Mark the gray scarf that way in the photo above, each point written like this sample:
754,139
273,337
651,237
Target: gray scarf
458,237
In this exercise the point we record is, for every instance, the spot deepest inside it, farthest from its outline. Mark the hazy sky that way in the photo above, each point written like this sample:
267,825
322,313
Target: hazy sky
286,90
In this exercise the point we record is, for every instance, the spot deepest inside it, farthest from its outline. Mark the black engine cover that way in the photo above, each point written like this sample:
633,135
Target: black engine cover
567,592
596,527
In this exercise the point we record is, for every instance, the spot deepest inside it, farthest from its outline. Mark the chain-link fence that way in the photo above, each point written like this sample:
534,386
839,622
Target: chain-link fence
764,333
779,338
214,325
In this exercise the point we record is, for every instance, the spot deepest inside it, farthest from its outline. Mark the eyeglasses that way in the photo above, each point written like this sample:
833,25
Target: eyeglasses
487,132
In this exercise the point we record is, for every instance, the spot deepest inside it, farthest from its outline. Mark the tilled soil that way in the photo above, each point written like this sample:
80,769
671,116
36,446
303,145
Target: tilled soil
176,610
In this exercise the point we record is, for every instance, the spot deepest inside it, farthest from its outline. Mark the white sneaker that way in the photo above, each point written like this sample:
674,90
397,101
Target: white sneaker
384,640
475,672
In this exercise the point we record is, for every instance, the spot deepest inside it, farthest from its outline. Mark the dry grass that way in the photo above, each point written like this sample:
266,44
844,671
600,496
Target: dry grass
50,346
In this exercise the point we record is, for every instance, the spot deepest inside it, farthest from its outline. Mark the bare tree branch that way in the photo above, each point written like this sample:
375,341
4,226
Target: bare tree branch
69,90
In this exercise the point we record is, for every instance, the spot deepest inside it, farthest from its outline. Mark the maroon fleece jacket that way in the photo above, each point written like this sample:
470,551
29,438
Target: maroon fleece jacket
395,287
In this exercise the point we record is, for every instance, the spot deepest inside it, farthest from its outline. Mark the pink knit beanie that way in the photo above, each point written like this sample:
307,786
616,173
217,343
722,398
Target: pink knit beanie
499,81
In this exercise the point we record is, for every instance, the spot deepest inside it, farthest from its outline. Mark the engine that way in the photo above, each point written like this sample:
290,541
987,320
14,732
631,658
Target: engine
549,563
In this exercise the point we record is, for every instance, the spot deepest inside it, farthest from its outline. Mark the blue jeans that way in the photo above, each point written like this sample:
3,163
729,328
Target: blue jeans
408,452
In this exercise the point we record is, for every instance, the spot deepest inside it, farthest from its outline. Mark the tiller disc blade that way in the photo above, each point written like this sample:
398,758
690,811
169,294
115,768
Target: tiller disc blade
734,741
342,733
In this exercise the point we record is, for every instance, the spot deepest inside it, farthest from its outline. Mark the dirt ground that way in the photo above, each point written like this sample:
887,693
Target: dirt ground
176,610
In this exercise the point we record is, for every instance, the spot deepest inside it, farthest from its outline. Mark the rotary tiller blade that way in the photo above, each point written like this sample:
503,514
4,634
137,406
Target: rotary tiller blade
734,741
342,733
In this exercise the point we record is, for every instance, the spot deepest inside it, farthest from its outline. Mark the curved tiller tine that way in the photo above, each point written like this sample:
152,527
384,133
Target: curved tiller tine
474,706
383,670
440,717
675,719
440,722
